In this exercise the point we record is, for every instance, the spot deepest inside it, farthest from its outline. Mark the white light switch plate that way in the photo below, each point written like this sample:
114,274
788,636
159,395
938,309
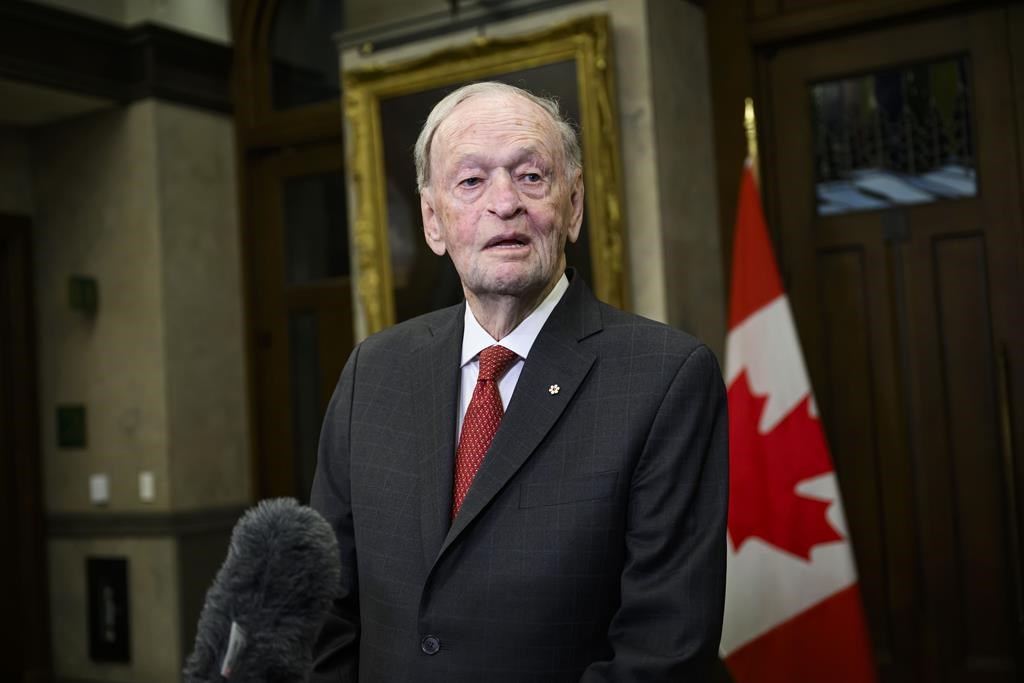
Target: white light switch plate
147,486
99,489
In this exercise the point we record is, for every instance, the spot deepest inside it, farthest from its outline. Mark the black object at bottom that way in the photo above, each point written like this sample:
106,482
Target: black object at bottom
109,632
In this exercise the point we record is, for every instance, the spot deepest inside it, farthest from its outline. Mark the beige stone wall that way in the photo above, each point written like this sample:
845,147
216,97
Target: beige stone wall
691,259
640,148
98,214
143,199
153,610
200,269
15,172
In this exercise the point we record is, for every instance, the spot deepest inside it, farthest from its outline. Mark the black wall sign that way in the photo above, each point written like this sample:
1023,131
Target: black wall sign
109,631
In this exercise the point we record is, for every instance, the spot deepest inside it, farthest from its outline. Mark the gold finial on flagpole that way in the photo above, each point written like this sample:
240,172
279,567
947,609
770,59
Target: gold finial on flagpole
750,125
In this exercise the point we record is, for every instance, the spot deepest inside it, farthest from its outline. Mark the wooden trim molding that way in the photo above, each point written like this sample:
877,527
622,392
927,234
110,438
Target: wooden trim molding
145,524
781,27
49,47
26,631
471,14
260,125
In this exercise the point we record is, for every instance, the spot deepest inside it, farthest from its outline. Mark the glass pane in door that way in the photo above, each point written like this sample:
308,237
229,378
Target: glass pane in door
304,60
316,237
895,137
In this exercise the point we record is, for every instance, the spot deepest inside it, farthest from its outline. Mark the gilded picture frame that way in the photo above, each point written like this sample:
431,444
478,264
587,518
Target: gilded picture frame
575,57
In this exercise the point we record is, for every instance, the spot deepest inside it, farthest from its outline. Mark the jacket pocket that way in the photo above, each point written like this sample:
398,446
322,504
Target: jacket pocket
575,490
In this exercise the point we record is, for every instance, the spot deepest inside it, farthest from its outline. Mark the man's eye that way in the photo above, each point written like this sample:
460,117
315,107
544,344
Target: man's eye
469,182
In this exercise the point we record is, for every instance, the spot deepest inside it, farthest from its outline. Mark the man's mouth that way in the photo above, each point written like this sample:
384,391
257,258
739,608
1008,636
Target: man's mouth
510,242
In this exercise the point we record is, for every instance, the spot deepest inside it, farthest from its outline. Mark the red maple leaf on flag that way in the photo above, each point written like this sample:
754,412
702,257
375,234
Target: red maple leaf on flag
765,470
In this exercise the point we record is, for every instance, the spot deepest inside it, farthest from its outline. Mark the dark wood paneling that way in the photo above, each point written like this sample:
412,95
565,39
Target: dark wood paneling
763,8
174,67
852,424
272,145
67,51
329,299
260,125
795,6
816,18
941,300
1011,379
732,81
143,525
1015,39
24,633
971,434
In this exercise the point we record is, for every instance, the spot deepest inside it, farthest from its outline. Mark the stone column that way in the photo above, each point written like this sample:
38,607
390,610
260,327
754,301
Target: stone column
143,199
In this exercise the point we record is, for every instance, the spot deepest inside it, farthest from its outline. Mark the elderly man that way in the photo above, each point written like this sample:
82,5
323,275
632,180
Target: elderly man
532,485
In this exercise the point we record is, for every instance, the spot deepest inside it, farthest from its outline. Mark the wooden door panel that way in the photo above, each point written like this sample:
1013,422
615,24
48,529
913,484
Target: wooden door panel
961,443
851,422
24,631
902,313
303,322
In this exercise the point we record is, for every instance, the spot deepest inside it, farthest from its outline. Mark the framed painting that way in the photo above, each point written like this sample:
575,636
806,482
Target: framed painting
397,276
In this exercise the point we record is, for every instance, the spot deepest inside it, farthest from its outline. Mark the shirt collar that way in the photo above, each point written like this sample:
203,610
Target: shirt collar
475,338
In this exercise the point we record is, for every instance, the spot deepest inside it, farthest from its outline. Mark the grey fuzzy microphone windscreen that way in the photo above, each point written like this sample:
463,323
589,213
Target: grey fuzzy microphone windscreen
270,598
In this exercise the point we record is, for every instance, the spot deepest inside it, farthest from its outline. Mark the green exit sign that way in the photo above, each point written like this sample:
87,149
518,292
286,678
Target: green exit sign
71,426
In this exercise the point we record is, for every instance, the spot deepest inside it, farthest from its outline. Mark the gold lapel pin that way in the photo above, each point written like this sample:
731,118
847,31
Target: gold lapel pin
554,389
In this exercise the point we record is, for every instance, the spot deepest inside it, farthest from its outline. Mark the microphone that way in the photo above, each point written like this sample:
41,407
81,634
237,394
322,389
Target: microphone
270,599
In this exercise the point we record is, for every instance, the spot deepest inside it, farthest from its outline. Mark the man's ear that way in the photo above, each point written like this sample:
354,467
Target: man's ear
432,230
576,200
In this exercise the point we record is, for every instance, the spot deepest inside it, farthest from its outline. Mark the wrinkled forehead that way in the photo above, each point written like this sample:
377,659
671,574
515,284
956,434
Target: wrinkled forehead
494,112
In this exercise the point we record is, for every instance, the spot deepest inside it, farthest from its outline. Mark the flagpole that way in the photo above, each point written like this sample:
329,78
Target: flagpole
750,125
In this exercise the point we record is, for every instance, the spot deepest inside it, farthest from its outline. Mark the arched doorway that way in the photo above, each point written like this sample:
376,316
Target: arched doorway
294,226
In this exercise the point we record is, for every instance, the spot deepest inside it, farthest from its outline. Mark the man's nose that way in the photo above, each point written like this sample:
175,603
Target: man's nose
503,197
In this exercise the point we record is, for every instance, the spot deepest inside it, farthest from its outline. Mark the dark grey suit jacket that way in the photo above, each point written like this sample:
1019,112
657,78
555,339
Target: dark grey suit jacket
591,545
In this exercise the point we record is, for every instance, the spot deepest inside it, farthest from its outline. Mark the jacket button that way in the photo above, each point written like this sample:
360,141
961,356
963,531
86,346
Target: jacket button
430,645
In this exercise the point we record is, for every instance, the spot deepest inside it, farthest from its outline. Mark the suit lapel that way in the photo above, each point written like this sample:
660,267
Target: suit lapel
555,360
436,394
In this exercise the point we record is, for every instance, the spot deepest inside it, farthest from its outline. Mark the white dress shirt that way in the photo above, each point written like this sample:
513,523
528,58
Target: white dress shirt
475,339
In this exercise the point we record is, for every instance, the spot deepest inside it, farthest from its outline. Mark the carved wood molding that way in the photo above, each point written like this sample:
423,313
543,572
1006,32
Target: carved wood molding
48,47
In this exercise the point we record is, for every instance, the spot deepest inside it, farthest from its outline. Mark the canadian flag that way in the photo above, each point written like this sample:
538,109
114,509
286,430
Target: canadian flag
792,608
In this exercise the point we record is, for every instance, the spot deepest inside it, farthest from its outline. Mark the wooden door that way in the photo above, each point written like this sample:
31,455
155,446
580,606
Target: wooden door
911,311
24,635
301,307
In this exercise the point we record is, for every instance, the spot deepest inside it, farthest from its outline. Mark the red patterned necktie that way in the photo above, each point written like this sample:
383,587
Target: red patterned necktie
482,419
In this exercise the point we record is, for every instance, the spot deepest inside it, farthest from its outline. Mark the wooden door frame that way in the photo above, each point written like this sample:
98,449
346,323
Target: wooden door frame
262,133
277,475
27,630
774,193
1011,405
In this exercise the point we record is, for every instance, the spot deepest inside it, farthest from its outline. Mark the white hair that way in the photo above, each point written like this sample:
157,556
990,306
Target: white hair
441,111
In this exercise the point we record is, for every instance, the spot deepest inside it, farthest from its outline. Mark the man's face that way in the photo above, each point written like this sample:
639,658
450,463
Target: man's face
498,201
